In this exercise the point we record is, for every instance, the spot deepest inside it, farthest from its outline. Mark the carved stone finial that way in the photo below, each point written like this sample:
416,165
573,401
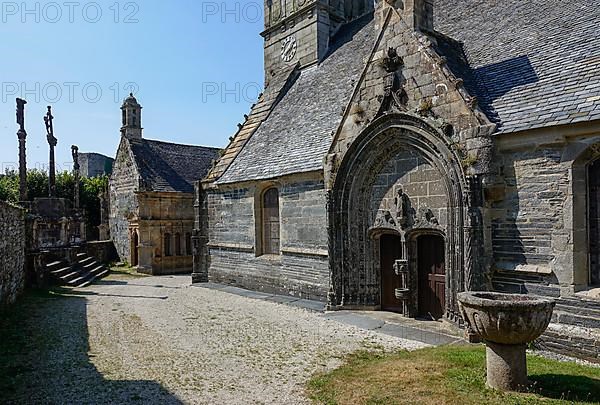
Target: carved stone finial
392,62
75,154
21,113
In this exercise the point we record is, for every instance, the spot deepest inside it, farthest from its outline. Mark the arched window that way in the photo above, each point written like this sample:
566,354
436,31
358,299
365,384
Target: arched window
270,222
188,244
178,245
167,247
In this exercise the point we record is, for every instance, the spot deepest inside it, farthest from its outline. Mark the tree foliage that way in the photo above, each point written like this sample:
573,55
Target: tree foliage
37,187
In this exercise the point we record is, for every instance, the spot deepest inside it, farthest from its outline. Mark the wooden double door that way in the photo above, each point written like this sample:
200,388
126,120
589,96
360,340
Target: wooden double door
391,250
431,274
431,263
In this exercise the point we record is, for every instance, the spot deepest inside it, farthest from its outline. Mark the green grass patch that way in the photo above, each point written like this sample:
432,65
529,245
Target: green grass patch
125,271
448,375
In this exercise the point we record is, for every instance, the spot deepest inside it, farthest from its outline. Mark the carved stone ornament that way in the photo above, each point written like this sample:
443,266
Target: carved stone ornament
392,62
426,219
385,221
394,96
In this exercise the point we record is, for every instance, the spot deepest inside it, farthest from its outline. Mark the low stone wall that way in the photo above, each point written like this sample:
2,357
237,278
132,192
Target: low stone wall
102,251
12,253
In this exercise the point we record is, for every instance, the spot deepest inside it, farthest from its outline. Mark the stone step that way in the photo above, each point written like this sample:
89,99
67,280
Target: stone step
96,277
572,341
570,318
85,260
90,265
70,276
579,302
82,273
54,265
86,275
62,271
585,311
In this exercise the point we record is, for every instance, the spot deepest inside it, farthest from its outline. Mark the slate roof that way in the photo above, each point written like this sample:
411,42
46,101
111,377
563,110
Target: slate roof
171,167
530,64
533,63
297,135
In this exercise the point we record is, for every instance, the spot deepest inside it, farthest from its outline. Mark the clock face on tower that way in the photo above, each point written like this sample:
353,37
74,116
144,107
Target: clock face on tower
288,48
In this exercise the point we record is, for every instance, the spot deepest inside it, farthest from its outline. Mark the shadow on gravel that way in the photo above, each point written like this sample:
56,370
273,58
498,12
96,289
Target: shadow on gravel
45,357
66,292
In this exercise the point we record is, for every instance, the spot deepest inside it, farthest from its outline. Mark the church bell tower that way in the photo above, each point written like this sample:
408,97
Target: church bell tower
132,118
298,31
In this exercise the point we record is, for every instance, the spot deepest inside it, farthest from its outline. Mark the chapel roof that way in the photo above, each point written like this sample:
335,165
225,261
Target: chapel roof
536,62
171,167
299,131
531,64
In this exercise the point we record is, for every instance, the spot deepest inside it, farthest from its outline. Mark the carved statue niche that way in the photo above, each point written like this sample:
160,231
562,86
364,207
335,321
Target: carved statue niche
392,62
402,206
394,97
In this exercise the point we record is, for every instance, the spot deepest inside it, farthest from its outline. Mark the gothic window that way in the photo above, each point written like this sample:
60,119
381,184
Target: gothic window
167,243
124,118
178,245
270,222
188,244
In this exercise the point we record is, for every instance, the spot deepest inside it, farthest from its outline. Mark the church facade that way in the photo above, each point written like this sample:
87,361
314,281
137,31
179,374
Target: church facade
396,159
151,197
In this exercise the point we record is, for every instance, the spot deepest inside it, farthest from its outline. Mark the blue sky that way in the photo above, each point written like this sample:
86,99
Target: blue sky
196,67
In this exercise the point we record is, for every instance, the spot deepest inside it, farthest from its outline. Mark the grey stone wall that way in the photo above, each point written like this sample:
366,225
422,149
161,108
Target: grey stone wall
124,182
310,25
302,267
12,253
419,180
95,164
531,229
159,214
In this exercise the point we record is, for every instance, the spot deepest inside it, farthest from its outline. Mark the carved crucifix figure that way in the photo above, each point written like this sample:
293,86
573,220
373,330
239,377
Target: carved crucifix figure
52,141
22,135
75,153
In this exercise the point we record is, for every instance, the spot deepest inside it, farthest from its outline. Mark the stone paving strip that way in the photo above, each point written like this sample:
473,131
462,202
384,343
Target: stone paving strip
160,340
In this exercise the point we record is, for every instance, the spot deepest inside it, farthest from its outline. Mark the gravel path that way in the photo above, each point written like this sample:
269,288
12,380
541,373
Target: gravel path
159,340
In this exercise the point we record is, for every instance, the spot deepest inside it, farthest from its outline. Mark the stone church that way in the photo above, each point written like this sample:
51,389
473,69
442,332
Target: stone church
151,197
405,151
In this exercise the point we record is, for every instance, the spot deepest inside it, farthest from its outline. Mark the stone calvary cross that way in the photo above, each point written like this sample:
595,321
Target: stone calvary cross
52,141
22,135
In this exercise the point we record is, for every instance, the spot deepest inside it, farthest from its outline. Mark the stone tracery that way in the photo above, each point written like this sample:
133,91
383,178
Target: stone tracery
355,279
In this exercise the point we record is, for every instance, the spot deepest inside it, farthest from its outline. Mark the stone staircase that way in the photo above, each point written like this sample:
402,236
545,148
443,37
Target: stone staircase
575,327
83,272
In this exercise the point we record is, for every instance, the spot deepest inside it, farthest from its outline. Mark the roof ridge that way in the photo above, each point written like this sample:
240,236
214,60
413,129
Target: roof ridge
175,143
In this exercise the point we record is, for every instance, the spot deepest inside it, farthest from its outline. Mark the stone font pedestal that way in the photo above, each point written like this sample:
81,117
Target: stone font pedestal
506,367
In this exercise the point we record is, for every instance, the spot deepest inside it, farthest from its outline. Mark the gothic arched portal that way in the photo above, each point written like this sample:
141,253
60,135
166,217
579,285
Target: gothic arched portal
373,194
